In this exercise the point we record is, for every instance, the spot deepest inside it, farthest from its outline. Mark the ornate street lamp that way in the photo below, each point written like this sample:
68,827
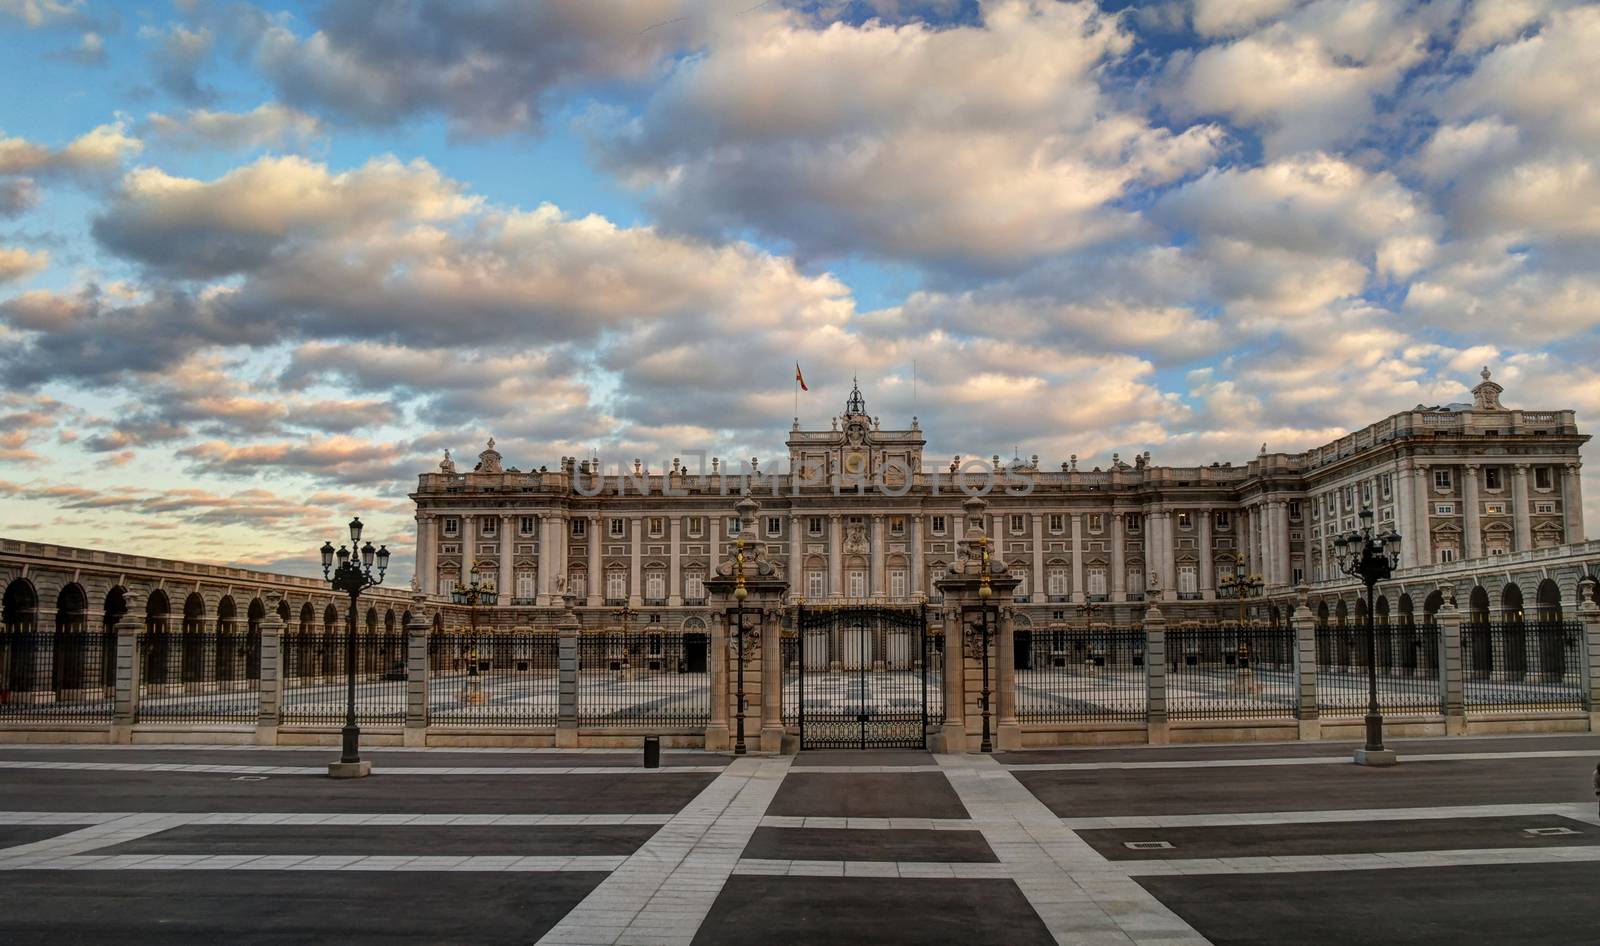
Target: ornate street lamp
1371,557
473,594
353,575
981,638
1241,586
740,592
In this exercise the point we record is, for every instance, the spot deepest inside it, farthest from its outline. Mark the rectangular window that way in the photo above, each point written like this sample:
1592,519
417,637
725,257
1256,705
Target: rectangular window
452,526
1441,479
1294,509
1299,575
1097,522
1058,522
1541,477
897,582
1497,550
1135,581
1495,509
1097,581
1491,477
491,525
617,584
1056,582
619,528
1544,508
858,583
580,527
733,527
814,526
655,586
527,525
524,585
1134,521
1366,492
774,525
1447,555
1444,509
897,525
658,527
1333,504
1188,580
938,525
814,584
1387,485
695,526
1016,524
694,587
1223,519
1022,583
1183,521
1349,497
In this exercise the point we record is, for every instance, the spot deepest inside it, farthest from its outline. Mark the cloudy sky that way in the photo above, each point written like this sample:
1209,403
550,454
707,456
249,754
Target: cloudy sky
260,264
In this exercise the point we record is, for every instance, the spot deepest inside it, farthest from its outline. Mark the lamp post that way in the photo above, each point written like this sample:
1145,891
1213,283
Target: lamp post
471,595
1241,586
1371,557
740,592
353,575
985,593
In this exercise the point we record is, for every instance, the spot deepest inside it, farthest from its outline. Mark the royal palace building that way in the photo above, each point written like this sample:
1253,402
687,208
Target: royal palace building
860,513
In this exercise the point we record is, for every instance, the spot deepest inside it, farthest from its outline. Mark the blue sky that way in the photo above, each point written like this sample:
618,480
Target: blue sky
261,263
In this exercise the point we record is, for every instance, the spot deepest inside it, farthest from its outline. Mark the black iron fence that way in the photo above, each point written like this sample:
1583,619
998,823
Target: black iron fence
1078,674
1515,666
645,679
1231,672
314,680
489,679
199,677
66,676
1407,670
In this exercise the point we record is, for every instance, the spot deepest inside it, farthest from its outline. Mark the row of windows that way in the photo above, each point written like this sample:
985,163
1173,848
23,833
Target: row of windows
1493,477
1494,509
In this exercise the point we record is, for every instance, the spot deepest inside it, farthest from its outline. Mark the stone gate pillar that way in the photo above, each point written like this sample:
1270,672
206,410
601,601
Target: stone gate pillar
746,582
125,710
269,708
1305,665
976,583
1452,692
1589,652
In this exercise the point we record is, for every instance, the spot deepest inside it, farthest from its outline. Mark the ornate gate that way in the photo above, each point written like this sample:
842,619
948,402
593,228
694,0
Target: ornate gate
862,677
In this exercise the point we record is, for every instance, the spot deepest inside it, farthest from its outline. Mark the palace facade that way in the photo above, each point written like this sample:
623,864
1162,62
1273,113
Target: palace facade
861,513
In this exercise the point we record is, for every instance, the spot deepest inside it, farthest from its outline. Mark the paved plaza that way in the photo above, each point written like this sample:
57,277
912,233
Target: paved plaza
1469,840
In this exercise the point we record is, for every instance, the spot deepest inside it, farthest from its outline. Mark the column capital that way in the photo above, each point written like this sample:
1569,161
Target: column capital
1521,468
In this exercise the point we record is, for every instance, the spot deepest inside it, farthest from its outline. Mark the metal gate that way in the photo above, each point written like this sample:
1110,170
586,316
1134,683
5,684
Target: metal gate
862,677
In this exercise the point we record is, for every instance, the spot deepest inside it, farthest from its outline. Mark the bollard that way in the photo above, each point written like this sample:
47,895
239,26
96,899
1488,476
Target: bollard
652,752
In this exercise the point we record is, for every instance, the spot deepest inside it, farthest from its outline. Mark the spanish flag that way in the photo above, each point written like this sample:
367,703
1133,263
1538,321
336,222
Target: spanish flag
799,378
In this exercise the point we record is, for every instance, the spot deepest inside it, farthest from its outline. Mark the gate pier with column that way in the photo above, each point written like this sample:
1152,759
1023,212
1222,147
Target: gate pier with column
746,593
977,615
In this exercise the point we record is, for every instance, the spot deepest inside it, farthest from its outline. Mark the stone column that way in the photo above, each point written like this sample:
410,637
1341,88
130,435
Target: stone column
1169,557
418,673
1589,652
772,681
717,738
1519,500
1402,517
1305,665
1077,559
567,681
505,583
1572,501
1155,675
597,572
1036,585
796,567
1451,694
636,561
125,710
835,556
424,567
1271,553
953,737
1419,539
919,580
1208,574
1473,528
877,583
1008,733
674,583
1119,580
269,702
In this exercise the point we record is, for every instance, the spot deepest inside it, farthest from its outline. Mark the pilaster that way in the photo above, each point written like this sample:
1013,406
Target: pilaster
417,670
1451,688
1008,733
1305,665
269,703
567,680
125,710
1155,675
1589,645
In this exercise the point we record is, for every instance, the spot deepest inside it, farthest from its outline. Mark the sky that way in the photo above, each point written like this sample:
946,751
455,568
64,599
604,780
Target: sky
261,264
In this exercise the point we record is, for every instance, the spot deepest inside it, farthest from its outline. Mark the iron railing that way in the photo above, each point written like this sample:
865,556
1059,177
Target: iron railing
642,680
199,676
1231,672
313,687
489,679
1071,675
1408,670
68,676
1516,665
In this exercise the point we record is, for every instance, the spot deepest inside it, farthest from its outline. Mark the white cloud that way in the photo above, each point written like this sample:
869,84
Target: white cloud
17,263
268,125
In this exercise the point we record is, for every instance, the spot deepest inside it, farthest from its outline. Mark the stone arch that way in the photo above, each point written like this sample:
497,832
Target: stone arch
1406,612
1322,615
1341,613
193,643
158,638
308,617
232,650
330,619
1548,601
1431,606
388,621
21,607
1478,605
74,664
21,616
1511,604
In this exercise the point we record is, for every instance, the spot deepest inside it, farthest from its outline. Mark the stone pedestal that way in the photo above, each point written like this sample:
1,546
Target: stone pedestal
1375,757
360,769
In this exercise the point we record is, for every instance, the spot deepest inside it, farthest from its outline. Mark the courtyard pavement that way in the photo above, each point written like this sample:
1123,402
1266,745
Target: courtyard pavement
1483,840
